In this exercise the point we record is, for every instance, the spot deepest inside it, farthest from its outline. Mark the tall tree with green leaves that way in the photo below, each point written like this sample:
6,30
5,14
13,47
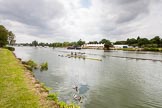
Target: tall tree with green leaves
143,41
92,42
106,43
138,38
120,43
6,37
35,43
131,41
3,36
156,40
80,42
11,38
161,43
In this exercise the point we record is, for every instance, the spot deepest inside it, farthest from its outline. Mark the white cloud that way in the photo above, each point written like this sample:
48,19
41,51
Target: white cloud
70,20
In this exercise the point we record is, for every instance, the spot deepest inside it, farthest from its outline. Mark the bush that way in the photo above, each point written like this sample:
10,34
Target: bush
44,66
10,48
62,104
65,105
28,67
46,89
32,64
53,96
151,49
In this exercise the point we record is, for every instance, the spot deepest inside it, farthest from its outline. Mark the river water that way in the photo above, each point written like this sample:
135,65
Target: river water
113,82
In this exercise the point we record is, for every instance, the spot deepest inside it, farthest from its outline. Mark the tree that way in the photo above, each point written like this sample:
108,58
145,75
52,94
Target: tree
42,44
143,42
120,42
66,44
156,40
57,44
80,42
106,43
3,36
11,38
160,45
73,44
92,42
6,37
35,43
138,38
131,41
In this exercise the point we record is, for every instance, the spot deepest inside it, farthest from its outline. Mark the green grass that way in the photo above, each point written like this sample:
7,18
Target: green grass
32,64
151,49
44,66
141,49
53,96
14,89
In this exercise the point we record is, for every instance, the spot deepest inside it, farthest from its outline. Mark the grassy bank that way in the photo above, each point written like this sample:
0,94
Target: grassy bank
19,88
14,88
141,49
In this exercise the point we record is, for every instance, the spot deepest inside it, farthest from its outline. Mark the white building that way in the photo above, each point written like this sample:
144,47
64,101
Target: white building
93,46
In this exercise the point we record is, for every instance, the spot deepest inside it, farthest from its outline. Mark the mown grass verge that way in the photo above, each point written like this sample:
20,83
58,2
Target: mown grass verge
14,90
20,89
141,49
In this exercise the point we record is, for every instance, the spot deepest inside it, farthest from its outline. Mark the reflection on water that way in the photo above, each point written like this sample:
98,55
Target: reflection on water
83,89
110,83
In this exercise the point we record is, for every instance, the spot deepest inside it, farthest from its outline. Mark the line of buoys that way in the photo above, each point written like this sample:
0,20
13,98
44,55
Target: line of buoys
154,60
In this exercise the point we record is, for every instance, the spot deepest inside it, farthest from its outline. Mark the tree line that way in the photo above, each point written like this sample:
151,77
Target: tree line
65,44
7,37
155,42
54,44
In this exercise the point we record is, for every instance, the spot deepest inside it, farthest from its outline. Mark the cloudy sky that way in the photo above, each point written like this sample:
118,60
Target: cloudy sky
71,20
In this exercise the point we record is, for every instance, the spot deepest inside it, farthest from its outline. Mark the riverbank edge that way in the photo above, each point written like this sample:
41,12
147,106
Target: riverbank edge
39,89
32,84
139,49
36,86
43,91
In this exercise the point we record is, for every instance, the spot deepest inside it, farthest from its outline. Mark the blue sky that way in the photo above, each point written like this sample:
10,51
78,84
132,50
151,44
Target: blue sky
86,3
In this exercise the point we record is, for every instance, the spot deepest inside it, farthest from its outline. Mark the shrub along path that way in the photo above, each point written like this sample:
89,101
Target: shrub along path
15,91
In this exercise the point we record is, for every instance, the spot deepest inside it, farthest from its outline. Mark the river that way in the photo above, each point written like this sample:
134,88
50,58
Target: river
113,82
